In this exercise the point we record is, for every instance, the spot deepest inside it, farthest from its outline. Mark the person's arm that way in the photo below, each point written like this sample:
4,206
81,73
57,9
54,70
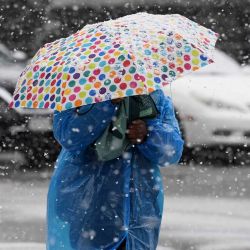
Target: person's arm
77,130
163,145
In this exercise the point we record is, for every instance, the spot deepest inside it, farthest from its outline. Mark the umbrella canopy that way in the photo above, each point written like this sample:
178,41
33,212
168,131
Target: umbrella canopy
131,55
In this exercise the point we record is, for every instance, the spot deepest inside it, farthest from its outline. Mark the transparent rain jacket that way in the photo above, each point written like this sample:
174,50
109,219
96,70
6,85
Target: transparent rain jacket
95,205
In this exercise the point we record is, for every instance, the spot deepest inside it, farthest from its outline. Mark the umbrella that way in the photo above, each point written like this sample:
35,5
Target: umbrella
131,55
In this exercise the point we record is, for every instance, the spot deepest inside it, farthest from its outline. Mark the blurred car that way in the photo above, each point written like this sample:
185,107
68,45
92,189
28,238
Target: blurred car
213,107
26,135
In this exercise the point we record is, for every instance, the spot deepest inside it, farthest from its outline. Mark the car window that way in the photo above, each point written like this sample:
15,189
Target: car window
5,58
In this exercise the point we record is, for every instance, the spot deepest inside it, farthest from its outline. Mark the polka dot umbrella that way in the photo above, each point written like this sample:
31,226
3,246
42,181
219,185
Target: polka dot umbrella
131,55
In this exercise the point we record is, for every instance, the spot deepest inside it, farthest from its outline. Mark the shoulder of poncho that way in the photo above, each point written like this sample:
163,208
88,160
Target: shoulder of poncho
159,98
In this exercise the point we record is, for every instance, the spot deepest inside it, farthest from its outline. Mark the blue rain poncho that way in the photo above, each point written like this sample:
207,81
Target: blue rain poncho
94,205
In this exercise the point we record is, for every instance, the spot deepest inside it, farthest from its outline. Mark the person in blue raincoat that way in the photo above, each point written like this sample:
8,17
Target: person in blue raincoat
117,204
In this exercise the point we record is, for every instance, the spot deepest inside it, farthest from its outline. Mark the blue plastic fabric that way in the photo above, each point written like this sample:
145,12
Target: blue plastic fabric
94,205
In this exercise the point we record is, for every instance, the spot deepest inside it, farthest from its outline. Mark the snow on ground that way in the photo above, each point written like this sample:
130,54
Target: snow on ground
202,211
205,223
21,246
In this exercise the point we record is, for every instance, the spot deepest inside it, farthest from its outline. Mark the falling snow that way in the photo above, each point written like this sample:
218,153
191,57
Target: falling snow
206,196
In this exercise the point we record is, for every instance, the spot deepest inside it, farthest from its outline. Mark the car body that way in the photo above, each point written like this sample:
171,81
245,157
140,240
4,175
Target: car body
26,135
213,105
213,111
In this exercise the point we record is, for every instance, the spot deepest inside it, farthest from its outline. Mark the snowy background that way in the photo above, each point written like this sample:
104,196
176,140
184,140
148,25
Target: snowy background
207,197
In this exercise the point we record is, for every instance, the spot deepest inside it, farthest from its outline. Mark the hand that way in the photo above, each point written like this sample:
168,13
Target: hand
137,131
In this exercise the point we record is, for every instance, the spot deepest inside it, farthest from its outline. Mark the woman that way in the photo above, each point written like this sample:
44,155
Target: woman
116,204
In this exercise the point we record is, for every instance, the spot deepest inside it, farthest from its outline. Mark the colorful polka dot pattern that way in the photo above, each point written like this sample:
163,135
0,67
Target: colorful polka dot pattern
132,55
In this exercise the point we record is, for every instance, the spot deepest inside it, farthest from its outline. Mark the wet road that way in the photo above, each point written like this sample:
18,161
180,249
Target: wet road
205,209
